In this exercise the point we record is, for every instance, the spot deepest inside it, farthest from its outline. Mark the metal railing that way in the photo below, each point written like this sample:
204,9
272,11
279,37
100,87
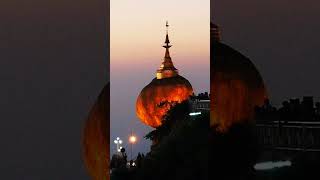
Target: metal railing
292,136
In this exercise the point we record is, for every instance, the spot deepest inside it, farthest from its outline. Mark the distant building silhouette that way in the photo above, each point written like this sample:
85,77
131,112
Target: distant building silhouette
200,102
292,110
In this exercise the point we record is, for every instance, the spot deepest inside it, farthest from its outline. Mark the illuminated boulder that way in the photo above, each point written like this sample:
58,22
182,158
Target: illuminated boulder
159,96
96,139
167,89
236,86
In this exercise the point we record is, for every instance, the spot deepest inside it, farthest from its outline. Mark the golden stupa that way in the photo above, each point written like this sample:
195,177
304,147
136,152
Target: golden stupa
164,91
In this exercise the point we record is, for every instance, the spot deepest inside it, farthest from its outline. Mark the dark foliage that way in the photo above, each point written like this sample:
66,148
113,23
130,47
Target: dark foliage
178,112
190,150
234,153
183,152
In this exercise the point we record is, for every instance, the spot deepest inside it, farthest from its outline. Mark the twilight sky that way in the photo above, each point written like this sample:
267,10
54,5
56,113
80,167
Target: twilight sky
282,39
137,34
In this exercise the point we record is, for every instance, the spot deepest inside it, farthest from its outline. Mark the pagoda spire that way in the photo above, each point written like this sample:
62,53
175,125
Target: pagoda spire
167,43
167,68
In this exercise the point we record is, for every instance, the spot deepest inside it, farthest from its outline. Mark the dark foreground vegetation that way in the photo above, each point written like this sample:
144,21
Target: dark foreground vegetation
186,148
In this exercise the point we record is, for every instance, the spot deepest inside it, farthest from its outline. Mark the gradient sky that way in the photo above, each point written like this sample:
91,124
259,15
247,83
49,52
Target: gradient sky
137,34
281,37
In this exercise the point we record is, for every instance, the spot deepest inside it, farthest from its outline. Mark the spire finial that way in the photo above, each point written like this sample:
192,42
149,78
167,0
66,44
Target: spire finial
167,25
167,42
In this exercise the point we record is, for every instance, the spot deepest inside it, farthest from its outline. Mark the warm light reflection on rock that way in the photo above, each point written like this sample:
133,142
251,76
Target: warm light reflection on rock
96,138
236,88
157,98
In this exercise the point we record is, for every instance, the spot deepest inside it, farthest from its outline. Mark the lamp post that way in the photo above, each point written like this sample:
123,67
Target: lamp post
118,142
132,140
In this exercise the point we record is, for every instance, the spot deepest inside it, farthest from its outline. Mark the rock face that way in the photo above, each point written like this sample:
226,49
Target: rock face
236,87
159,96
96,139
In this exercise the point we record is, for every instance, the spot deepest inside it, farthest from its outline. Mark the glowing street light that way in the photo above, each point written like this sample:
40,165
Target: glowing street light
118,142
132,140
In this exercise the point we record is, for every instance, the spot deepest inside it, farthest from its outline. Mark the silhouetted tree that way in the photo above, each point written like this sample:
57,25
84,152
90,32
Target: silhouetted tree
183,153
